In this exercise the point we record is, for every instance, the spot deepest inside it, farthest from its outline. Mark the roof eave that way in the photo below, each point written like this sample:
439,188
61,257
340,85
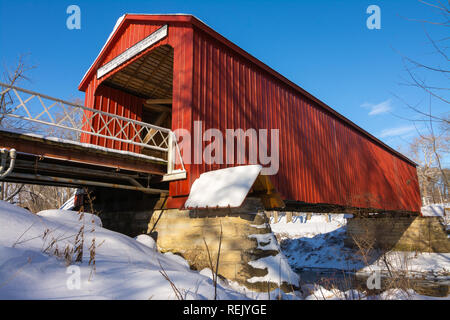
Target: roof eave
181,18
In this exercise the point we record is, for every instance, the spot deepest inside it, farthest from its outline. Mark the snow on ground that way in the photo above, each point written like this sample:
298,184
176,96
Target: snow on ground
434,210
266,241
321,293
315,243
125,268
414,263
129,268
146,240
319,243
278,268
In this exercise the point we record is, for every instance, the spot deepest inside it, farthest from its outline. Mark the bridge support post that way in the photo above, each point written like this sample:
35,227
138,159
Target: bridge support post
245,233
415,233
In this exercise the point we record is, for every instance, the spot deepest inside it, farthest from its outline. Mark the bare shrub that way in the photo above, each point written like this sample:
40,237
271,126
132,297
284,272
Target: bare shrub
214,269
175,289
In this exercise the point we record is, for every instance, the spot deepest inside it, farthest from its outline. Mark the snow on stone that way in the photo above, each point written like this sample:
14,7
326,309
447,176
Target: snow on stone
317,242
266,241
222,188
278,270
125,268
434,210
302,227
413,263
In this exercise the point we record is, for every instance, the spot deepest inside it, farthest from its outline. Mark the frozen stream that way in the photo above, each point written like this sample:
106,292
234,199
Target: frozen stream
314,247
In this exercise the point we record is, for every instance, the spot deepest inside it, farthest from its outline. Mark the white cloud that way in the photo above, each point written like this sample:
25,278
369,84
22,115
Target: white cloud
379,108
398,131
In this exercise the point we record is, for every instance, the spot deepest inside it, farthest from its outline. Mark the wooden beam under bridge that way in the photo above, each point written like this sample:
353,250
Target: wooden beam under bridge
56,163
76,153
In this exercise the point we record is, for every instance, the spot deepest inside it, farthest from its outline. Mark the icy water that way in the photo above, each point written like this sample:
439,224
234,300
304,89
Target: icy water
345,280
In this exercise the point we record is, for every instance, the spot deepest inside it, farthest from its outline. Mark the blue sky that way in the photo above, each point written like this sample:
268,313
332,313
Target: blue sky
323,46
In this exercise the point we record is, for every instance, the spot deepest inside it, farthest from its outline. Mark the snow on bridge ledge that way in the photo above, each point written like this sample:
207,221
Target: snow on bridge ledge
222,188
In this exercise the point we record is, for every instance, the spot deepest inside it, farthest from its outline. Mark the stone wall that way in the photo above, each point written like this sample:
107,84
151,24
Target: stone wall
189,233
127,212
185,232
424,234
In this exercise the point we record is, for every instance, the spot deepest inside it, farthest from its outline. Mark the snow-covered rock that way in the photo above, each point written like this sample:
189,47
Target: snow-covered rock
278,270
319,243
146,240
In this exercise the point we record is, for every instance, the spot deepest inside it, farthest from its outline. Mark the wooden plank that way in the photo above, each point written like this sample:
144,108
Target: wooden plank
158,107
158,101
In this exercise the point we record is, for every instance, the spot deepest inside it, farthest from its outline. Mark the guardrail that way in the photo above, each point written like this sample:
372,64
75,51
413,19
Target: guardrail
27,111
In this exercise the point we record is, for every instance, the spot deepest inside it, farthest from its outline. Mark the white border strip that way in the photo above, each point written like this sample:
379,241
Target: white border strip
156,36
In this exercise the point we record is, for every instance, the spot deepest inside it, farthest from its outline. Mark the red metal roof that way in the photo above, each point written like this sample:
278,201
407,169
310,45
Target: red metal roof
190,19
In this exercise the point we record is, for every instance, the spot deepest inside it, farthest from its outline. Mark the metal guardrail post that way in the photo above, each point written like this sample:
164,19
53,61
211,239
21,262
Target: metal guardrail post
170,154
4,157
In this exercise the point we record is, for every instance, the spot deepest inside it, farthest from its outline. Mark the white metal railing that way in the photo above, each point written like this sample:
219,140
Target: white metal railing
26,111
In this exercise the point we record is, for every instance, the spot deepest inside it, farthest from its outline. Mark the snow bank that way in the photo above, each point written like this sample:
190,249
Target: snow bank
302,227
318,292
278,270
434,210
222,188
413,263
325,250
68,216
125,267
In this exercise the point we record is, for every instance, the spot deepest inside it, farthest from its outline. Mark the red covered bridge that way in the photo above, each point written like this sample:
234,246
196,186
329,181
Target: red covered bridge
192,73
172,71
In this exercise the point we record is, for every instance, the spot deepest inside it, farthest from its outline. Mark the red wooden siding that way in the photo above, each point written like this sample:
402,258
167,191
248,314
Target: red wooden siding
324,158
116,102
180,38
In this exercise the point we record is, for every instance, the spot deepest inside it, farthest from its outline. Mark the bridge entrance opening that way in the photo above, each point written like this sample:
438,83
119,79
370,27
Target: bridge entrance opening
149,78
